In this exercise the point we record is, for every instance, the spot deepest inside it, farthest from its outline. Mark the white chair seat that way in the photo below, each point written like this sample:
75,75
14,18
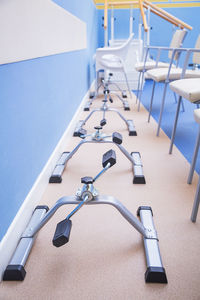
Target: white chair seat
160,74
150,65
197,115
110,61
187,88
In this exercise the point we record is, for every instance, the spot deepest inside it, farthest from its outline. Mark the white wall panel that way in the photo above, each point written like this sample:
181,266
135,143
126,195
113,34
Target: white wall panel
36,28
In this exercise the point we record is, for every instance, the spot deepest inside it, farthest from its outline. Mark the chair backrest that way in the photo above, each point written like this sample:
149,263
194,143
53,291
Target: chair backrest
177,41
122,50
196,55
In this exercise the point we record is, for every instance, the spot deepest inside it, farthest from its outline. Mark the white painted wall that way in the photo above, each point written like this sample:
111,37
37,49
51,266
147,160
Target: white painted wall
36,28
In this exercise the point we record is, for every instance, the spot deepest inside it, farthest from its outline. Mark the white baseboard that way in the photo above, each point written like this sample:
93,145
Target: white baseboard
12,236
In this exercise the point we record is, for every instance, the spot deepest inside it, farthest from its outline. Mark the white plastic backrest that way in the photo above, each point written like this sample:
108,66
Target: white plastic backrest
120,51
196,55
177,41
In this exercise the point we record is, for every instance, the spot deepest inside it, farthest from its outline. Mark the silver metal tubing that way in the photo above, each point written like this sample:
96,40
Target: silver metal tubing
90,114
196,203
140,91
138,87
162,108
196,150
155,271
151,103
127,83
175,125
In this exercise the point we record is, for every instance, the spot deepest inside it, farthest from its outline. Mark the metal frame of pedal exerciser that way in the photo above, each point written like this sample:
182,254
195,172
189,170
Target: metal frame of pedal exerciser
104,108
105,84
99,137
88,195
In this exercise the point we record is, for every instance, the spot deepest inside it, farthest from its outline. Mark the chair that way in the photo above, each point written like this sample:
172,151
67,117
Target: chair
188,88
111,59
142,67
167,75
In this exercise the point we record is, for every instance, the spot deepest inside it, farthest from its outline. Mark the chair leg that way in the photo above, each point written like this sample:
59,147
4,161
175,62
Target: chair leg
151,103
175,125
162,108
138,87
196,203
127,83
182,104
196,150
141,89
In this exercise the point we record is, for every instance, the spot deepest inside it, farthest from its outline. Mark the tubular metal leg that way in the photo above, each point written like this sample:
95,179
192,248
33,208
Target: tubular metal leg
162,108
196,203
196,150
182,104
15,270
124,102
155,271
127,84
151,103
175,125
141,89
138,87
134,158
129,123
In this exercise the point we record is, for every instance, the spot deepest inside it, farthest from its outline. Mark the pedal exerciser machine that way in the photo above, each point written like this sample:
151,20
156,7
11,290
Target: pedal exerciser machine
104,108
88,195
99,137
105,84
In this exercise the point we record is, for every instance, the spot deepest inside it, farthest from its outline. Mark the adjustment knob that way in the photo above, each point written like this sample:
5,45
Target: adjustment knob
87,180
98,127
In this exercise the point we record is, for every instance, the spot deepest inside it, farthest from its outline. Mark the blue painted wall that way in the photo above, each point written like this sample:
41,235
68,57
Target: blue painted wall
38,99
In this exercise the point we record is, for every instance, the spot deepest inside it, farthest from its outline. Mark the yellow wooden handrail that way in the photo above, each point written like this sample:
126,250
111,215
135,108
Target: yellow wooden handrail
163,12
105,14
162,16
143,15
122,3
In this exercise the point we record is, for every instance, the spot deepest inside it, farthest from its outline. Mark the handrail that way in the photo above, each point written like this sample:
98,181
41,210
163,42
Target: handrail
143,15
105,14
162,16
162,11
122,3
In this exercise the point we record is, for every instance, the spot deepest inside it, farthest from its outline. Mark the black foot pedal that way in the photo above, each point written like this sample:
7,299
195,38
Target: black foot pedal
138,169
103,122
109,157
126,105
131,128
124,95
87,106
117,138
56,176
62,233
14,273
78,127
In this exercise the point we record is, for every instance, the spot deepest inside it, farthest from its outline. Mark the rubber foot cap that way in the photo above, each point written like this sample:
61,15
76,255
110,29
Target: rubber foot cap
55,179
139,180
132,133
155,275
14,273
